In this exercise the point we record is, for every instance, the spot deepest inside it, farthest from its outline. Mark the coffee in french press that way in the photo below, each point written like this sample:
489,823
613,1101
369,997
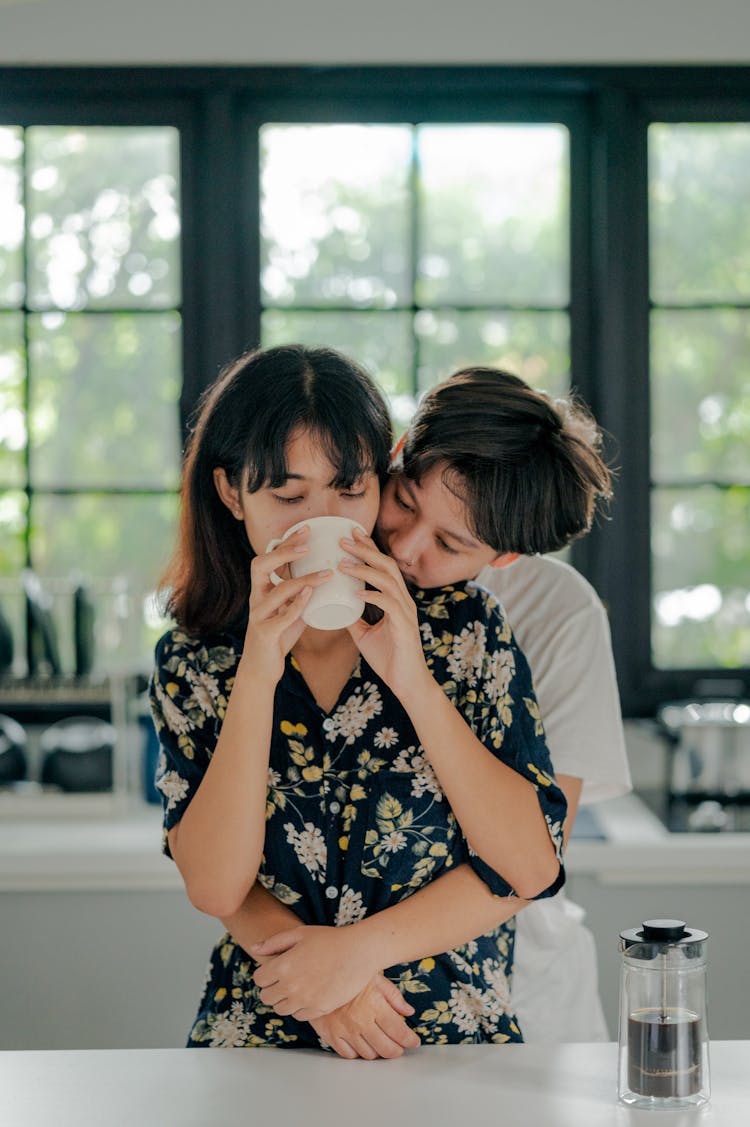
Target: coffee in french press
663,1055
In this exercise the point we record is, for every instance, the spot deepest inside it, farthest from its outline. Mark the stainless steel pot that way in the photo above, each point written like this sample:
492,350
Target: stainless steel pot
709,749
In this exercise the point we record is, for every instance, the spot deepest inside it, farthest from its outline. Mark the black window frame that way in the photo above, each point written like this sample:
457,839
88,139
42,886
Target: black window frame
607,110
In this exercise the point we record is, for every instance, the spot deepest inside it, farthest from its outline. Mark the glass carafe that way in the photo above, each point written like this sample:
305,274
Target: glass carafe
663,1055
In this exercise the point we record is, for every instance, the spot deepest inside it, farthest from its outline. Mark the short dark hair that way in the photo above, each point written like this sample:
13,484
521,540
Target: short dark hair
528,467
243,424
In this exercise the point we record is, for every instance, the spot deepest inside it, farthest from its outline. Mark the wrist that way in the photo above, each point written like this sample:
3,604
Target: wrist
373,944
421,694
254,674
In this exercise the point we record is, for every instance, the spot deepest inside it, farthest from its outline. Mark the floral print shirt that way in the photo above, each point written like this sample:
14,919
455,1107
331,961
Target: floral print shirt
355,817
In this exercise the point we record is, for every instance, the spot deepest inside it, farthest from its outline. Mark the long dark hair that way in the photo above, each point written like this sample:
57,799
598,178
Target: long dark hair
528,467
243,424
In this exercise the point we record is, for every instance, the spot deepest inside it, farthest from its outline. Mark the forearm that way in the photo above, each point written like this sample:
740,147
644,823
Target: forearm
309,971
496,807
571,786
260,916
450,911
218,842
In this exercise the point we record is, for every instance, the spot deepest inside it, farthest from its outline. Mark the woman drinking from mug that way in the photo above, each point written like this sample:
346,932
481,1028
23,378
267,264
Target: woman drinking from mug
490,474
350,771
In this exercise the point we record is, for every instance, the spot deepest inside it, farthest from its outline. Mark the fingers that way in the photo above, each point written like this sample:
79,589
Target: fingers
364,1048
381,589
395,1030
293,614
266,974
393,996
381,577
341,1046
371,1023
392,1045
370,1034
284,553
373,1043
275,997
275,600
360,1048
307,1014
389,1009
379,572
363,548
275,944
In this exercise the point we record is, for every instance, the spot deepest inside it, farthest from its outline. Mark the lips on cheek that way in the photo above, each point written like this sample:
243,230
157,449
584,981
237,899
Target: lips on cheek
381,536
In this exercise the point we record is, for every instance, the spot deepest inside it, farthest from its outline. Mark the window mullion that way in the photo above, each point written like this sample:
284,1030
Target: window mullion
414,198
619,240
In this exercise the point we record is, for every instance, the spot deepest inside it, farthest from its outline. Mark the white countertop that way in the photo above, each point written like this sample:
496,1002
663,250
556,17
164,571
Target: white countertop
475,1085
122,851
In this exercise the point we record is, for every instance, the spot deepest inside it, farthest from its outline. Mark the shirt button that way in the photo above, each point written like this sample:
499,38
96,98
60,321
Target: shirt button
327,724
334,807
332,892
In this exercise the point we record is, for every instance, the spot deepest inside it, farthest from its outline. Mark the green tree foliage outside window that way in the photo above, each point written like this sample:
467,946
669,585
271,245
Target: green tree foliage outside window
699,183
90,373
419,248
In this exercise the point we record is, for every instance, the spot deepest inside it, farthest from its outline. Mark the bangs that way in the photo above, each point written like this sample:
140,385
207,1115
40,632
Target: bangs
351,455
468,478
290,391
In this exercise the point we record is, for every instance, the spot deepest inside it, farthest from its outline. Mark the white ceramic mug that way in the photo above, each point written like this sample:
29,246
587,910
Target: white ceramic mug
336,602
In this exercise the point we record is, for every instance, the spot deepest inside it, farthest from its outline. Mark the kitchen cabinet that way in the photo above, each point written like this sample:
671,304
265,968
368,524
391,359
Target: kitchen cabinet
101,946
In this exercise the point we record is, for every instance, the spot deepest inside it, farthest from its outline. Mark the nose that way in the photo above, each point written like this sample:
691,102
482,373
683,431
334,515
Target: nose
323,503
405,545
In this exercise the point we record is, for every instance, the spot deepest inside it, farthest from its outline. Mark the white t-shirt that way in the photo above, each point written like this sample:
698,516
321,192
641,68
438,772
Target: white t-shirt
561,625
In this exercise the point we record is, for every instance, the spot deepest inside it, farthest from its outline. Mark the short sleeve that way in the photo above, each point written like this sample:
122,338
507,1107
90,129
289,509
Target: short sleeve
494,693
581,706
560,624
188,696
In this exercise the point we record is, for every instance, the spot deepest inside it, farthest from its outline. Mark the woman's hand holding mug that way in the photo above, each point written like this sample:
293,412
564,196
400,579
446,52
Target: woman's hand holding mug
393,646
276,623
338,603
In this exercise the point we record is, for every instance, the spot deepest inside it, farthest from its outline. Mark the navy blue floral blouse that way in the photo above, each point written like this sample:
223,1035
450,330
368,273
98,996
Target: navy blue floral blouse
356,818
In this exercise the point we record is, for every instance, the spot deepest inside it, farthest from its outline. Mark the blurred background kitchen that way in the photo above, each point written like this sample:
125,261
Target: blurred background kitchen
560,190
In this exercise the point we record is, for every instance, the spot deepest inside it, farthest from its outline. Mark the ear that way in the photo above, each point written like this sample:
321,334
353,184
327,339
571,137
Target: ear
229,494
505,559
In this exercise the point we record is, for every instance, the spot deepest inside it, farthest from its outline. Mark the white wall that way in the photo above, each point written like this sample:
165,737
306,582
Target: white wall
102,32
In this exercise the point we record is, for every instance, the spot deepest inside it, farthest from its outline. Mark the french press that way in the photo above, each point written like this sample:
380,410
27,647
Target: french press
663,1055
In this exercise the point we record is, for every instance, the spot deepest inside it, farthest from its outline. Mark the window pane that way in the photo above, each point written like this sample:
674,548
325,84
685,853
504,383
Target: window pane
103,217
104,395
701,564
700,395
11,217
335,216
121,544
493,215
12,525
699,185
13,506
12,416
534,346
380,342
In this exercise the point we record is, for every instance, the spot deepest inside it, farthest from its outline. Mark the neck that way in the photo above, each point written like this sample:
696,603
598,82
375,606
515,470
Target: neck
321,642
